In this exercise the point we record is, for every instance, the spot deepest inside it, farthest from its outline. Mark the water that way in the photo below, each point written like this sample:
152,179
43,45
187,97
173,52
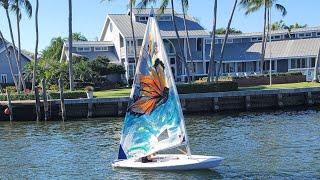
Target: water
255,145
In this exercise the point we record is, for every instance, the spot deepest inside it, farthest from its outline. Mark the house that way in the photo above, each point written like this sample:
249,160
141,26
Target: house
5,74
294,51
290,51
117,34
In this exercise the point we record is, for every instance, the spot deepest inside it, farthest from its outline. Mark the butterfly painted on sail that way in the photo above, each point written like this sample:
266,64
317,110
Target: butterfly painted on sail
154,90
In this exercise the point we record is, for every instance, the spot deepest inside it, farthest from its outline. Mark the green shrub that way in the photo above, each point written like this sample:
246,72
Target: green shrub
207,87
15,96
68,95
54,87
11,89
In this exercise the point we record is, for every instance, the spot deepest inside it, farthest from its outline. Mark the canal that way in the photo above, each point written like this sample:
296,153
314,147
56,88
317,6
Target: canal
271,145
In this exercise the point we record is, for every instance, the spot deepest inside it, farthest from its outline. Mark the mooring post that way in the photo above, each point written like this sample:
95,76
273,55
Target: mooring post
216,103
9,105
90,107
120,108
45,99
309,98
62,105
183,104
280,101
248,102
38,110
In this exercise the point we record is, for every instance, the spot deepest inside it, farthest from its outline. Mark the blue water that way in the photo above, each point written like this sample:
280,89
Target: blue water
273,145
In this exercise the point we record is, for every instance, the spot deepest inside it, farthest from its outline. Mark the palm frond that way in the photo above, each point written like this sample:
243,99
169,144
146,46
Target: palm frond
282,9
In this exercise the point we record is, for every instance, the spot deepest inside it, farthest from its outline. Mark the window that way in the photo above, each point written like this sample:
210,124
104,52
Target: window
208,41
143,18
121,41
308,34
276,37
131,60
313,62
301,35
83,49
140,42
266,65
131,70
293,35
229,40
164,18
298,63
256,39
172,60
199,44
318,33
4,78
105,48
111,27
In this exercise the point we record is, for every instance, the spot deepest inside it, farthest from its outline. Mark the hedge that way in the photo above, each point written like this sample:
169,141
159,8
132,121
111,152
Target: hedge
207,87
51,95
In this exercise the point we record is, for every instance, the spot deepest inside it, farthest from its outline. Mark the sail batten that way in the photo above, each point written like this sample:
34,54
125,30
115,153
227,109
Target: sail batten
154,119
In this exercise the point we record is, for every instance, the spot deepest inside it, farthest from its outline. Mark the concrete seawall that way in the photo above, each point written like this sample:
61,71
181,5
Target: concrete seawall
248,100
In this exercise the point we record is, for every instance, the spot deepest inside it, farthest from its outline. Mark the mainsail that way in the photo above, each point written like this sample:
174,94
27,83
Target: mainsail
154,119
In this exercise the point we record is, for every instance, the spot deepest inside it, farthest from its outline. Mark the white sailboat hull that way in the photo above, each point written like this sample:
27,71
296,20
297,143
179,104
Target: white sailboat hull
172,162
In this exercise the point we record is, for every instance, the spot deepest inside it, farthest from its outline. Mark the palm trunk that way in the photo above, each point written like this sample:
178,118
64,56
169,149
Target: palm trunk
188,40
316,67
133,34
36,49
9,61
212,63
13,43
19,49
179,43
263,49
225,39
70,64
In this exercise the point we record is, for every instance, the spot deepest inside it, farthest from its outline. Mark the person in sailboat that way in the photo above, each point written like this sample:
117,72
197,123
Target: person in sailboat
149,158
154,90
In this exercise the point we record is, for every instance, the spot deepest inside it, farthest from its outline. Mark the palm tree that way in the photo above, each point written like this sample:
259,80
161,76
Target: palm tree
226,38
36,49
79,37
163,6
212,66
9,61
70,48
131,3
253,6
17,6
184,6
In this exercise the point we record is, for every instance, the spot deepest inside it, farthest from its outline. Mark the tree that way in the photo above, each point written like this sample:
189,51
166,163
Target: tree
17,6
184,6
226,38
9,60
163,6
71,81
212,66
252,6
231,31
36,48
79,37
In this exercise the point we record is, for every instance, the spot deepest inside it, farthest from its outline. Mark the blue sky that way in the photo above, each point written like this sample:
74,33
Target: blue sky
89,16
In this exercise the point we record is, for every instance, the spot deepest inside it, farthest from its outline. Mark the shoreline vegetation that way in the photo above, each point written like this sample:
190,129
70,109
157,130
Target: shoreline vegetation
182,89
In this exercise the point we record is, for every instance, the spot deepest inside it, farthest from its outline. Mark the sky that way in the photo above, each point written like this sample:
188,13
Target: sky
89,17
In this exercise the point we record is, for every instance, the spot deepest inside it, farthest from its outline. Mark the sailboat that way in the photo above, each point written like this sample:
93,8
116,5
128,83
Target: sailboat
154,120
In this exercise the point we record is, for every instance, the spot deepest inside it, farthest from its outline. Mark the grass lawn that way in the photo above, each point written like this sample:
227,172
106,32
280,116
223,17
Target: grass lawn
282,86
125,92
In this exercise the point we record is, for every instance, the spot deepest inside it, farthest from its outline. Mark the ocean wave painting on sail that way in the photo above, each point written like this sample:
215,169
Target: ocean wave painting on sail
154,120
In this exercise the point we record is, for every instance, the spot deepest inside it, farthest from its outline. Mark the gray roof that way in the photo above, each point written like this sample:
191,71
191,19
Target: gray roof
90,43
146,11
279,49
282,31
122,22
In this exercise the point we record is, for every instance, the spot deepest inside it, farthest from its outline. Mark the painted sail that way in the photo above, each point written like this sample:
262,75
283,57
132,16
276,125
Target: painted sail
154,119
